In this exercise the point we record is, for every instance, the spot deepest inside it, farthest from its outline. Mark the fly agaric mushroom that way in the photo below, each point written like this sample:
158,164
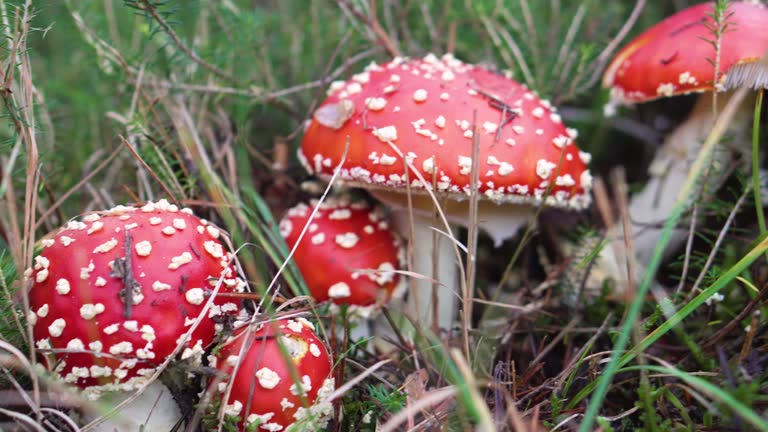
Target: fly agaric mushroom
419,113
262,389
349,253
114,294
676,57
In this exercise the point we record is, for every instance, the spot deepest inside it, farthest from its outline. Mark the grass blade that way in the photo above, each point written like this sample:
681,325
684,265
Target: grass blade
726,278
634,310
756,162
714,391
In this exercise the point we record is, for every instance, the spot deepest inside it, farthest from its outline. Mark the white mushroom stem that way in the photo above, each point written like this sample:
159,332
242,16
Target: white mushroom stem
650,208
153,410
422,247
500,221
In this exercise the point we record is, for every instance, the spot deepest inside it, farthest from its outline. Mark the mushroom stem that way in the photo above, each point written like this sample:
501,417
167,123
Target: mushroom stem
434,304
500,222
650,208
153,410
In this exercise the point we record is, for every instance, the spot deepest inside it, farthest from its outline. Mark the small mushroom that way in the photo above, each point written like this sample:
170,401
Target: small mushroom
424,114
114,293
675,57
349,253
262,390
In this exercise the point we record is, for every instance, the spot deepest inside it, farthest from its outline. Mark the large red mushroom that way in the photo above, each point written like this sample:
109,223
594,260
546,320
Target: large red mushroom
679,56
426,114
349,254
268,390
420,111
115,293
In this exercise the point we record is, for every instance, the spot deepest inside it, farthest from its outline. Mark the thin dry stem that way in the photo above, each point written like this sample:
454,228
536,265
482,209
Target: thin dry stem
607,53
428,399
18,97
688,248
371,22
720,238
469,285
566,49
147,169
342,390
83,181
621,193
498,34
24,419
148,7
737,319
531,32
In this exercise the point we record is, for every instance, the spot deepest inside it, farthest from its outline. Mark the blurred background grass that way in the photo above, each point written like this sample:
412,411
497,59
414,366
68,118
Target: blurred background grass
212,95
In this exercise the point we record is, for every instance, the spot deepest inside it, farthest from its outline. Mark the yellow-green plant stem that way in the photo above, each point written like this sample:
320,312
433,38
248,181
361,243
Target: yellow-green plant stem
756,163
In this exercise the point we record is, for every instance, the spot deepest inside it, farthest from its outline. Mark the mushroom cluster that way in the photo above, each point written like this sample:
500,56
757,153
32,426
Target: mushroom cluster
278,377
349,254
115,293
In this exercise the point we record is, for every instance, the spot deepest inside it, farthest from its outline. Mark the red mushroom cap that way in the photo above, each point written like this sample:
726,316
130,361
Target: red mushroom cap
424,108
349,253
675,56
263,378
169,260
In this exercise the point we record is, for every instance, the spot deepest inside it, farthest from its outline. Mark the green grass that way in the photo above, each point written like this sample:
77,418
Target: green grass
193,100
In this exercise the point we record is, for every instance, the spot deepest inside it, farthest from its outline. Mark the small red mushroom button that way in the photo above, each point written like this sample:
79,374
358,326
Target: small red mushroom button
262,392
348,253
115,292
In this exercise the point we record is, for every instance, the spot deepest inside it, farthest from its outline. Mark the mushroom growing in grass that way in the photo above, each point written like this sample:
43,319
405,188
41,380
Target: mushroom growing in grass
349,254
675,57
277,377
115,293
419,113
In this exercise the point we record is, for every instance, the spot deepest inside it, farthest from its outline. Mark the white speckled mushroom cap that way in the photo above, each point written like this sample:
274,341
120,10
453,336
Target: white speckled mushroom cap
263,391
421,110
113,293
676,55
349,255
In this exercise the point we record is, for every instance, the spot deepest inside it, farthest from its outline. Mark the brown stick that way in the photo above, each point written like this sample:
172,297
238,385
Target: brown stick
372,22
